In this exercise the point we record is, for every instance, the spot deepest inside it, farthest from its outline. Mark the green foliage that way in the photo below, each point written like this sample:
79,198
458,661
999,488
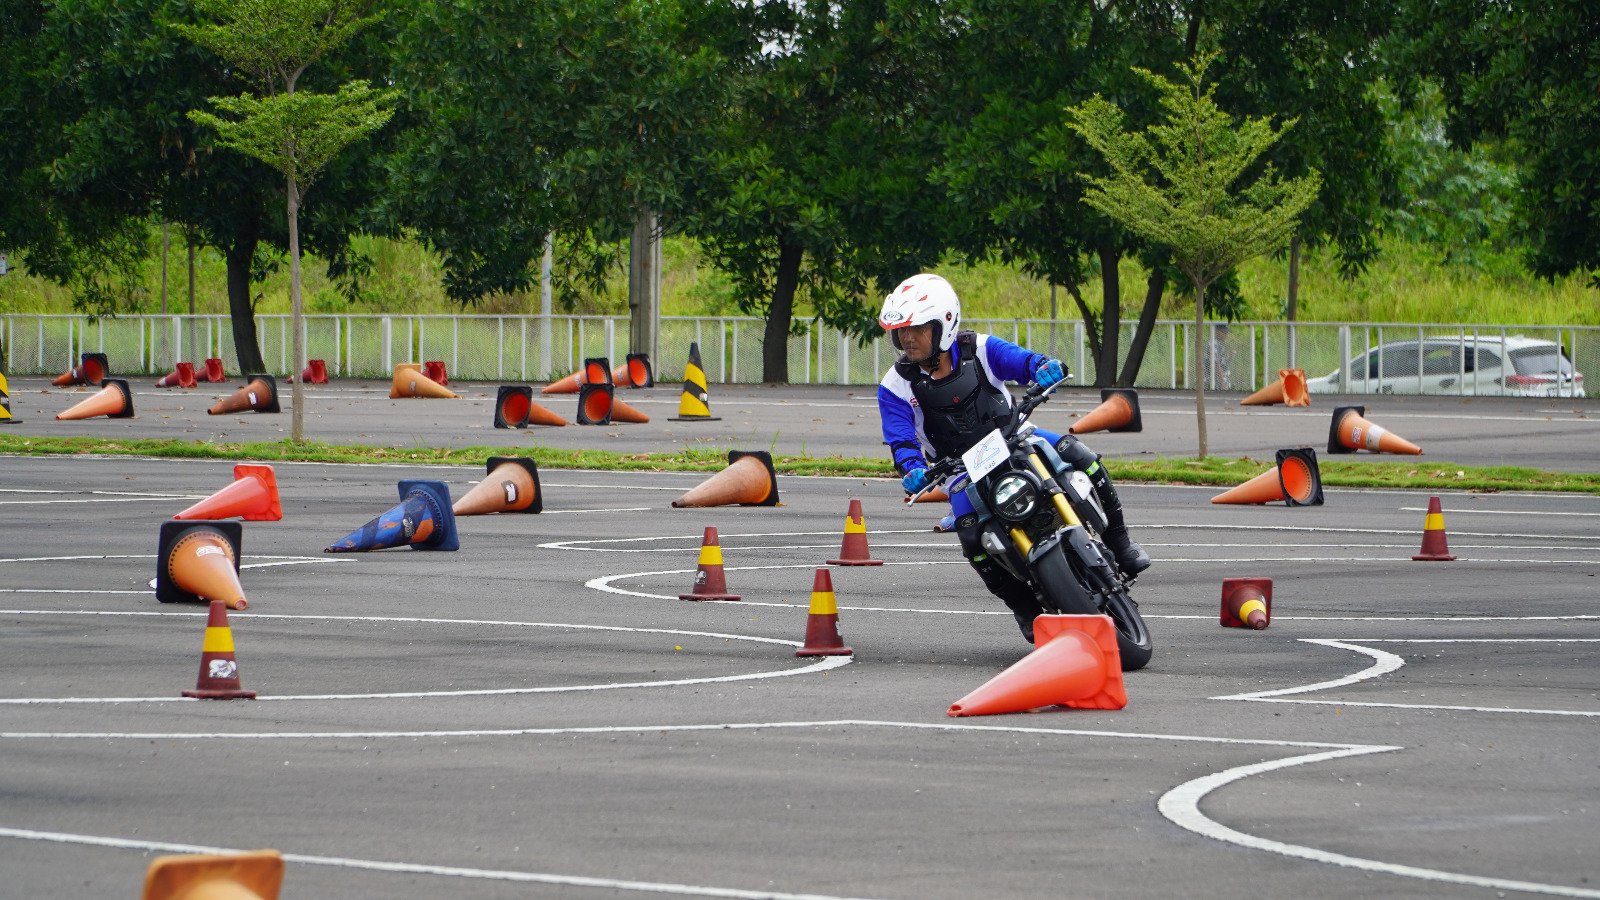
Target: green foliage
298,133
274,41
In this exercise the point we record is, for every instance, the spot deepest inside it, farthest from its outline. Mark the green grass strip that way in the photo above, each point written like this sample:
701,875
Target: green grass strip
1409,473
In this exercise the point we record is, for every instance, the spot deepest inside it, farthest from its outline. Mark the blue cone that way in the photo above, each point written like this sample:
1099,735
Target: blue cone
422,521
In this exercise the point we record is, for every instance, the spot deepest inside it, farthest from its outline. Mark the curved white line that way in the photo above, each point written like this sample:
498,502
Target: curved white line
1384,663
604,582
591,544
1181,806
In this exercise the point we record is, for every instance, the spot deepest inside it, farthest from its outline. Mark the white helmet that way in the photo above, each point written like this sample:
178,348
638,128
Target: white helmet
919,300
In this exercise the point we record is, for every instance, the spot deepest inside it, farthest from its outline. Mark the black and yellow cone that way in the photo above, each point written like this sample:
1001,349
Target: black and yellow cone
695,404
5,402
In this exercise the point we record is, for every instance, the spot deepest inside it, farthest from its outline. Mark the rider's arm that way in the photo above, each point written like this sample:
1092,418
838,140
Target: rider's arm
900,430
1008,361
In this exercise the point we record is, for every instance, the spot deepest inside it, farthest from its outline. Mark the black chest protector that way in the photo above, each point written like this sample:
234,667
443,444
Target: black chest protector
959,409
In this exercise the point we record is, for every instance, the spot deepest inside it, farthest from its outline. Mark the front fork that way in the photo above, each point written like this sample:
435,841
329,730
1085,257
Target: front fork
1069,517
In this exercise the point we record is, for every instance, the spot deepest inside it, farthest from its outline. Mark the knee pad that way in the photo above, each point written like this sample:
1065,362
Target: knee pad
1076,454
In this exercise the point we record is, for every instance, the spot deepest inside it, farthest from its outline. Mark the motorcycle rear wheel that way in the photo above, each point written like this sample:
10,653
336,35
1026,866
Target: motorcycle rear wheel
1064,593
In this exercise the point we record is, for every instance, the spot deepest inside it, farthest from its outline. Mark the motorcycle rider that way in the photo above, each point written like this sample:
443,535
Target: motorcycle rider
945,392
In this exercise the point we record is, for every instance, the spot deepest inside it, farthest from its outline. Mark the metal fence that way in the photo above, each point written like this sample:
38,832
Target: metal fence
1239,356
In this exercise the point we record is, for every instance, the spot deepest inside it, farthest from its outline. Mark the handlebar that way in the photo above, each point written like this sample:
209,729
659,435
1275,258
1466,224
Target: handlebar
943,469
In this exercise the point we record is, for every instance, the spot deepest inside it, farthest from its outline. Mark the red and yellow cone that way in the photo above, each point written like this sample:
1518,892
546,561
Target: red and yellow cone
1246,603
219,671
822,623
1435,547
853,550
710,583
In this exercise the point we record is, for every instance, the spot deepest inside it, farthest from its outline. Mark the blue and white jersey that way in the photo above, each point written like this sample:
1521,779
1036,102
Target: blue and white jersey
902,419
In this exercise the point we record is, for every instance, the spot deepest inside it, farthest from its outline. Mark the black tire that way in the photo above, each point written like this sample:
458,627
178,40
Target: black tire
1063,593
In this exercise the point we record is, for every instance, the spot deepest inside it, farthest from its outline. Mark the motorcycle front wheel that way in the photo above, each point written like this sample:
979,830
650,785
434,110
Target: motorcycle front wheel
1064,593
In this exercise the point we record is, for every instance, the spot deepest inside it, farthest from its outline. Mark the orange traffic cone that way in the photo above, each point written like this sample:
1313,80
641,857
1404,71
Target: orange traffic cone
512,405
568,385
1350,432
694,405
260,393
822,622
595,403
710,583
1435,547
636,372
1295,480
1075,662
937,495
219,671
409,382
213,372
539,414
315,372
182,375
1246,603
257,875
512,485
92,369
1118,411
622,412
253,496
199,561
422,521
114,401
749,480
434,369
853,552
1289,389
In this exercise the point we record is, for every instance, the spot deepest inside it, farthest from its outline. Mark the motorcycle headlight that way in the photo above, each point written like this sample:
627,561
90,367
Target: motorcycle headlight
1015,498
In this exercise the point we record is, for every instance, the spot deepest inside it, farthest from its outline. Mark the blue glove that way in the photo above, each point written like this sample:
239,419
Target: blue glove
915,480
1050,372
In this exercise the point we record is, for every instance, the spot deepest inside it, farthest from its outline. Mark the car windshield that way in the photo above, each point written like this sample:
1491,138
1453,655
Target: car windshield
1540,361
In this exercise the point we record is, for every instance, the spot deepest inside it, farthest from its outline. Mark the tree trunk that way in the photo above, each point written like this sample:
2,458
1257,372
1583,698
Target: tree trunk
1154,288
297,362
1105,367
1292,302
241,312
775,343
1199,378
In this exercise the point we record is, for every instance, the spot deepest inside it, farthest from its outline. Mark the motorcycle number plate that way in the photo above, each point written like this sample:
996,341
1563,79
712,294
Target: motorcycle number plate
985,455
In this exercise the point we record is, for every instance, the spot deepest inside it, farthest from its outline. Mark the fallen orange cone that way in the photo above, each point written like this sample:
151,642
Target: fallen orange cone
92,369
182,375
1290,390
622,412
257,875
710,581
635,372
315,372
1350,431
219,670
822,622
937,495
260,394
1295,480
1246,603
1435,546
252,496
114,401
422,521
568,385
1118,411
749,480
410,382
511,485
1075,663
198,562
511,406
853,550
435,370
213,371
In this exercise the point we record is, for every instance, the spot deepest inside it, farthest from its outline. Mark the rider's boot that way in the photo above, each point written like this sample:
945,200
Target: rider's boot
1018,597
1131,558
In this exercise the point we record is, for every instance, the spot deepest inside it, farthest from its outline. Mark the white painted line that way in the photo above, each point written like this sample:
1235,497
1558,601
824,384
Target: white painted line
144,593
1384,663
581,881
551,512
1471,511
1533,711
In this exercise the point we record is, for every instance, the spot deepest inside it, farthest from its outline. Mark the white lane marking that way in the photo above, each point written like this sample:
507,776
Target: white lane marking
374,865
1470,511
1316,529
23,559
1384,662
591,544
1181,806
144,593
550,512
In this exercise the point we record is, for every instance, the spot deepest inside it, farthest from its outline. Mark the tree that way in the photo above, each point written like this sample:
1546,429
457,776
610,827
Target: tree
1190,184
296,133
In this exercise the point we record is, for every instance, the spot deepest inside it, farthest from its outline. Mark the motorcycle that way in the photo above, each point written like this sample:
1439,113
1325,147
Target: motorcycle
1039,517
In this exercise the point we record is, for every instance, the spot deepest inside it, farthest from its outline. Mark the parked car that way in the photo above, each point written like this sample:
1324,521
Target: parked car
1482,366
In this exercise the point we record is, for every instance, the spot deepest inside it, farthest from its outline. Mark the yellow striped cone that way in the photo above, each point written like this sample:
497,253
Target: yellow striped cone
822,623
1246,603
219,671
695,403
5,402
1435,548
853,551
709,580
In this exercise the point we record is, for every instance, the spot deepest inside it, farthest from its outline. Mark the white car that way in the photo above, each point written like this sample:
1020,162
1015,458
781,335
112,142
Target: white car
1482,366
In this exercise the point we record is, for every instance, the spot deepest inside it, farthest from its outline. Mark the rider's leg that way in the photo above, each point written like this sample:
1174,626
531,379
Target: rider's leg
1131,558
1016,595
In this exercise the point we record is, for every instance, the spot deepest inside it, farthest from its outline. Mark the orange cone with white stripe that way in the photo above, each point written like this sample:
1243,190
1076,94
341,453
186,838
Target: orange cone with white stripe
260,394
182,375
410,382
1075,662
710,583
1350,431
853,551
568,385
115,401
198,561
511,485
1435,547
822,622
1246,603
1290,390
219,671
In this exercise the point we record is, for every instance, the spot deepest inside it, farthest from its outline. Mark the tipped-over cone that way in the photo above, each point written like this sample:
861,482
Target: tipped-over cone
511,406
422,521
259,873
1295,480
92,369
1290,390
853,551
260,393
1246,603
1350,431
749,480
213,371
198,562
315,372
1118,411
1075,663
567,385
636,372
622,412
595,402
710,582
937,495
1435,546
115,400
253,496
409,382
434,369
822,622
182,375
694,405
511,485
219,670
